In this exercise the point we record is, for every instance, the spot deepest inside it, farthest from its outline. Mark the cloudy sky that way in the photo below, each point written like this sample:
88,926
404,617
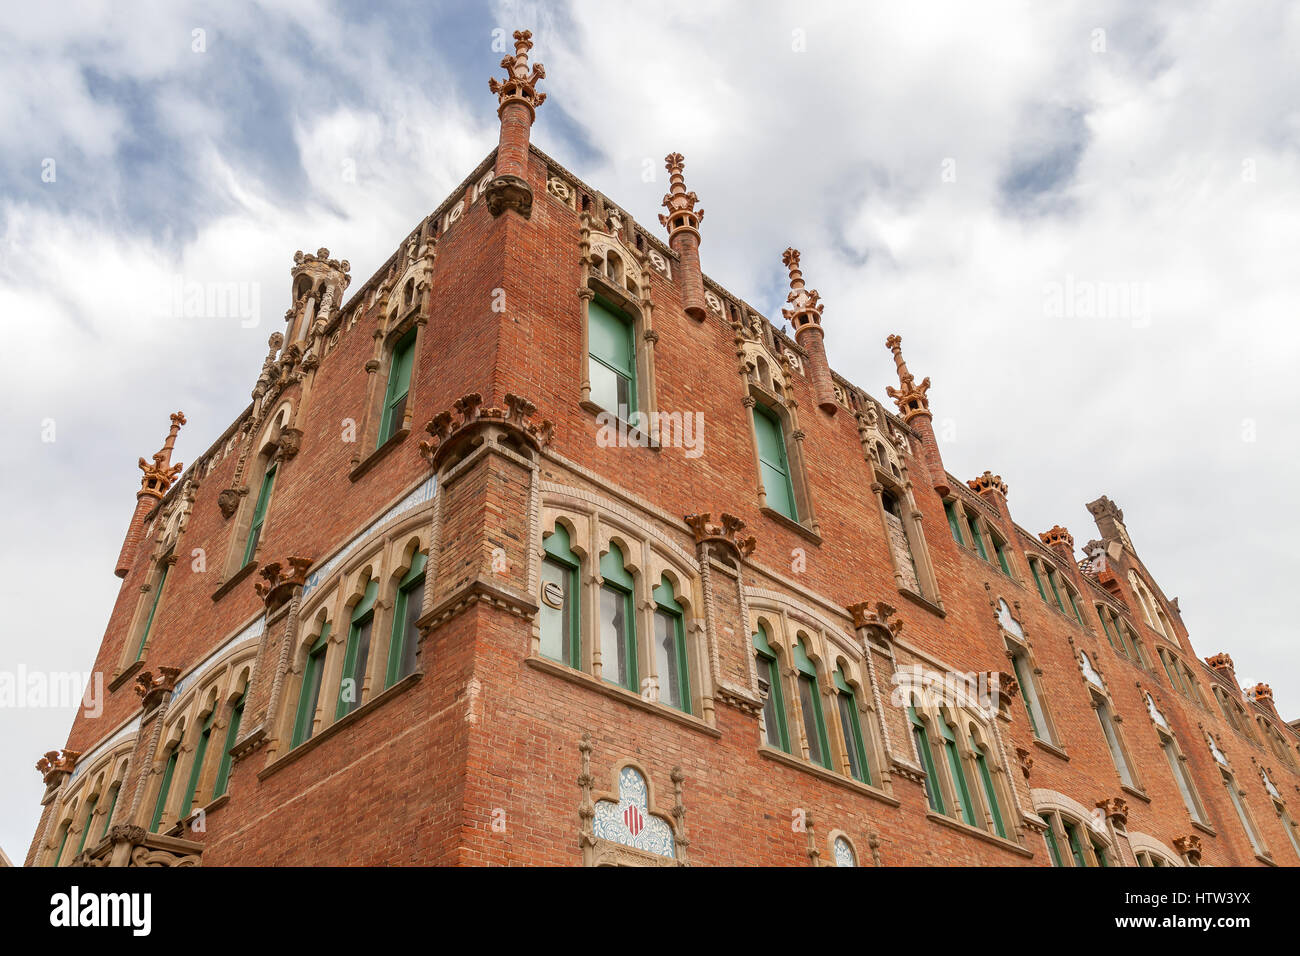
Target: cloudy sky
1075,214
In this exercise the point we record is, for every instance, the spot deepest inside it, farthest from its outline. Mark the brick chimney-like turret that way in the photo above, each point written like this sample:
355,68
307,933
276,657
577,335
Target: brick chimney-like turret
519,99
805,315
683,225
158,477
914,405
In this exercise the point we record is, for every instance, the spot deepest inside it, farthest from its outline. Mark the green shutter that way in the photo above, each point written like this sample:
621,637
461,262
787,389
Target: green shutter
232,736
357,653
990,792
1001,552
1076,848
163,789
1056,593
666,603
259,514
772,673
309,694
62,843
954,523
852,727
1038,580
1052,847
200,751
773,464
617,578
567,619
958,774
932,792
153,608
975,534
85,829
408,589
1024,695
399,383
1105,626
108,817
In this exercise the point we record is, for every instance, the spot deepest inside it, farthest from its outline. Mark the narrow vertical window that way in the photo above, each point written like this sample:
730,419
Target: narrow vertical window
1056,591
1029,693
990,791
922,740
1076,844
405,642
612,365
399,386
1112,741
1105,626
1038,579
670,649
559,621
954,524
1053,849
769,685
259,514
309,697
1255,844
851,726
357,653
773,463
1000,550
1181,778
232,735
976,537
63,843
810,702
196,769
617,623
153,607
85,829
112,805
960,788
164,788
902,548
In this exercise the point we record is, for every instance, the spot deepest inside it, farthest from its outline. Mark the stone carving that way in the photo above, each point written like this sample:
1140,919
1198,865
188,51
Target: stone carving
56,762
730,532
910,397
151,687
682,214
1189,847
876,614
278,582
1115,808
1056,535
1026,761
228,500
159,475
515,419
519,85
988,482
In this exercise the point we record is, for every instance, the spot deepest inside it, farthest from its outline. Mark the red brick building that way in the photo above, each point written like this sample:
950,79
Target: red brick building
540,547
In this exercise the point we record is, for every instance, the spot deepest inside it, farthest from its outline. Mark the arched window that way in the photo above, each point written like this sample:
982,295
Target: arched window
397,391
618,639
259,514
164,787
921,738
961,788
775,727
991,801
774,463
405,641
896,530
196,764
810,706
232,735
154,599
1177,762
313,672
670,648
356,655
560,612
851,728
1243,814
612,365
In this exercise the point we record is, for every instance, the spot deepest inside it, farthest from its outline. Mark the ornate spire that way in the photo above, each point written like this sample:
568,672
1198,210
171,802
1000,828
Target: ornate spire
682,214
519,85
805,304
159,476
909,397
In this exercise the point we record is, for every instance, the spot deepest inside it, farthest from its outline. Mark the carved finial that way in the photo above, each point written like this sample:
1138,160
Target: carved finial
1261,693
910,397
56,762
159,475
988,482
805,306
519,85
1220,662
682,214
1056,535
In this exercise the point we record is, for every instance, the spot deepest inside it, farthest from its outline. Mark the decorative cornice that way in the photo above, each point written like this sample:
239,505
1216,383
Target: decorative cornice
729,532
988,482
1115,808
515,418
876,614
159,475
56,762
151,687
910,397
280,582
1056,535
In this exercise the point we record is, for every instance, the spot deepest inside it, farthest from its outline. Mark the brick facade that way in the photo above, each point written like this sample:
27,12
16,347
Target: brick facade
478,756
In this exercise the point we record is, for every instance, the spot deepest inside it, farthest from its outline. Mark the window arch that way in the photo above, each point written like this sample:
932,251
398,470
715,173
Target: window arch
1109,723
1026,672
1075,836
776,729
807,681
901,519
616,603
1177,761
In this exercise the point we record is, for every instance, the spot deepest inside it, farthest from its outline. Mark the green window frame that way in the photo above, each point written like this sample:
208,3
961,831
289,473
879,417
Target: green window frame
954,523
399,386
778,733
232,735
561,629
309,693
774,463
960,786
990,791
1105,626
851,725
196,767
921,737
670,648
405,639
259,513
1056,592
85,827
153,608
977,538
1018,666
1000,550
618,648
356,657
114,791
1038,579
164,789
810,704
611,350
1074,606
1053,849
1076,845
63,843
